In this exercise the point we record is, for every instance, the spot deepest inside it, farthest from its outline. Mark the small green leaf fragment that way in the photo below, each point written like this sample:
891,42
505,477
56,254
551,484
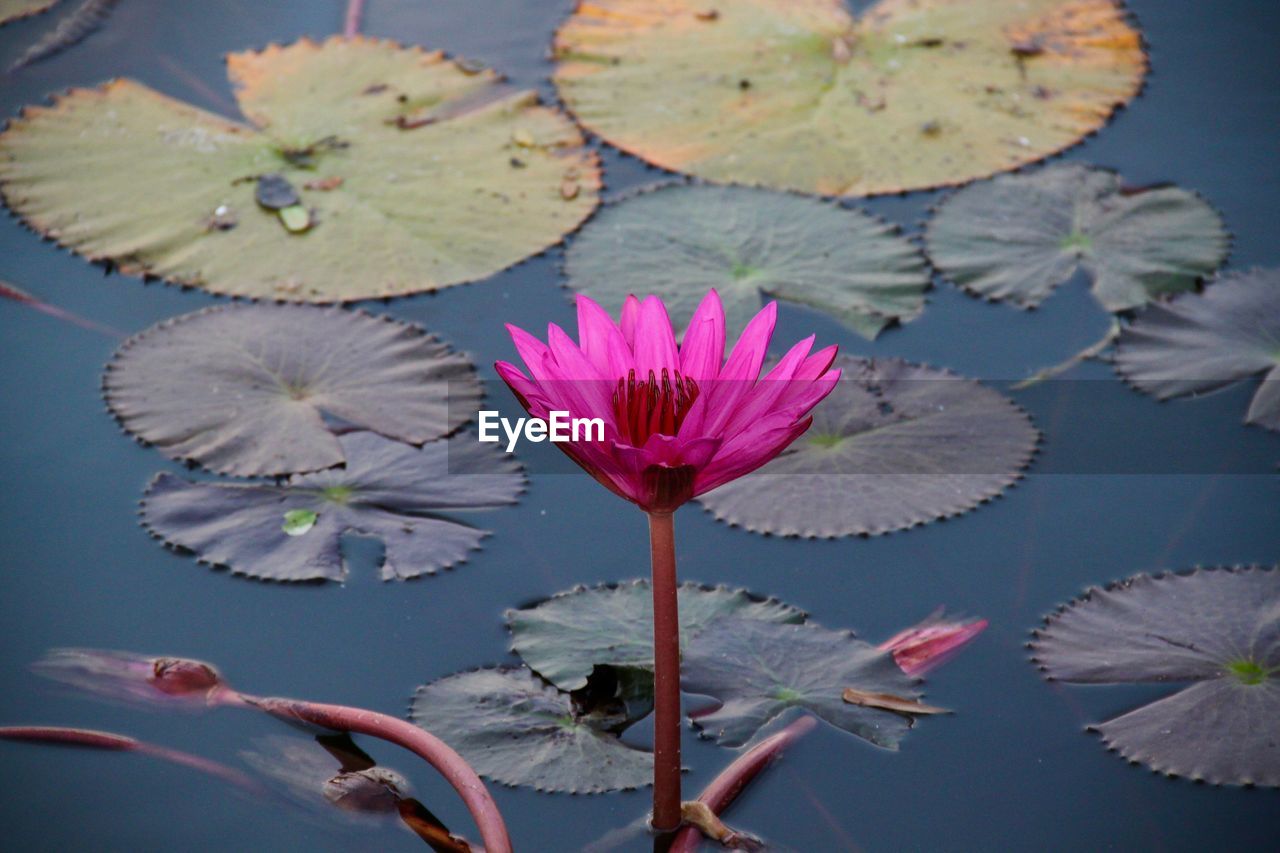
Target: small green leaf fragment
299,521
1247,671
296,218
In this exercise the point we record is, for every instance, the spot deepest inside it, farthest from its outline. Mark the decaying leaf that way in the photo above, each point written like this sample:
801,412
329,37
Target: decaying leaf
566,636
679,241
389,491
421,204
757,670
889,702
1018,237
245,389
893,446
1201,342
1219,630
514,728
800,94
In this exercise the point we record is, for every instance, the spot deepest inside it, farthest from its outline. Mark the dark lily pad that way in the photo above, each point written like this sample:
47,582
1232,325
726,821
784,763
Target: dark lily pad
567,635
245,389
893,446
679,241
516,729
1216,628
1200,342
757,670
1018,237
387,490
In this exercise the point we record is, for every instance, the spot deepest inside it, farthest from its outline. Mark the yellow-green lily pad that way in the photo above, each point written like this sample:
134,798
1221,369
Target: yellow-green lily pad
405,160
803,95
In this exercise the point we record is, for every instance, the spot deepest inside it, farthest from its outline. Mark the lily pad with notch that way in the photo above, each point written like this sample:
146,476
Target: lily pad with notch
1018,237
412,149
517,729
564,637
804,95
679,241
398,494
1202,342
245,389
1215,630
893,446
758,670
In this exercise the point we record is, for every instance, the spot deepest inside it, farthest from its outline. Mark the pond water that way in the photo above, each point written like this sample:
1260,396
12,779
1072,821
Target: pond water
1123,484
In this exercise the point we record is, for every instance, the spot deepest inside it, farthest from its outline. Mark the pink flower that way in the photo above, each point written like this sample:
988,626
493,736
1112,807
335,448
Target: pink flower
134,678
679,420
931,643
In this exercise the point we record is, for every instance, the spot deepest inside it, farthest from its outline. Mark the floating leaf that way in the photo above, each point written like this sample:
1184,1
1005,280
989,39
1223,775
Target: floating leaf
428,197
244,389
388,491
515,729
681,241
1216,628
798,94
757,670
1018,237
567,635
893,446
889,702
1200,342
12,10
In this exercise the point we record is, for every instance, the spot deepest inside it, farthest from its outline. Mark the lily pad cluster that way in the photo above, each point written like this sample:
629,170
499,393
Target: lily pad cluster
405,171
1201,342
893,446
1217,631
337,400
557,723
679,241
803,95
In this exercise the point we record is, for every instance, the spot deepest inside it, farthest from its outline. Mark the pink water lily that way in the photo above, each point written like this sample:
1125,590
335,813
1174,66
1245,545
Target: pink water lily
679,419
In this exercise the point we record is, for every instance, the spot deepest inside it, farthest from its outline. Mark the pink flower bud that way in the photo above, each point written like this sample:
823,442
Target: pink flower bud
931,643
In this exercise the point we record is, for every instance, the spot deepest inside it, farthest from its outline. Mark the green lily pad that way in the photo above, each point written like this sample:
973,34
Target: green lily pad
1018,237
894,445
12,10
410,153
1200,342
245,389
1218,629
757,670
680,241
516,729
803,95
388,491
566,636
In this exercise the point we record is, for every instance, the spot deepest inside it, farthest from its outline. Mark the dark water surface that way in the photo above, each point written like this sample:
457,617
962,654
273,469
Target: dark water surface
1012,770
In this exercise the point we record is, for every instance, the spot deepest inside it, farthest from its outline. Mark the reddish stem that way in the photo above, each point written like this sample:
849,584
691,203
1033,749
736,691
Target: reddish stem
351,24
726,787
666,674
493,831
62,736
17,294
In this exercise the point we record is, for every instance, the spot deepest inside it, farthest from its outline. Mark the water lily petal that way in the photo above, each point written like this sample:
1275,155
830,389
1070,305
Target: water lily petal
655,341
702,351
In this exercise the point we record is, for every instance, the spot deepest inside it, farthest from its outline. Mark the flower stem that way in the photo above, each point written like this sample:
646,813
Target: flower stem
351,23
456,771
666,673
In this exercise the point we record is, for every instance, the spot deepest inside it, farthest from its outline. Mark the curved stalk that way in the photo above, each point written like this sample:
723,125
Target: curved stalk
666,674
726,787
493,831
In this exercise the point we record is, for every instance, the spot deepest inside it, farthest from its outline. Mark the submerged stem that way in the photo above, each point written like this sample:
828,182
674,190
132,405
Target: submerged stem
666,673
726,787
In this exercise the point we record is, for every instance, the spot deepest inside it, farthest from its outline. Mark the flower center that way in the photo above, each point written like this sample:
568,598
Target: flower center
659,406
